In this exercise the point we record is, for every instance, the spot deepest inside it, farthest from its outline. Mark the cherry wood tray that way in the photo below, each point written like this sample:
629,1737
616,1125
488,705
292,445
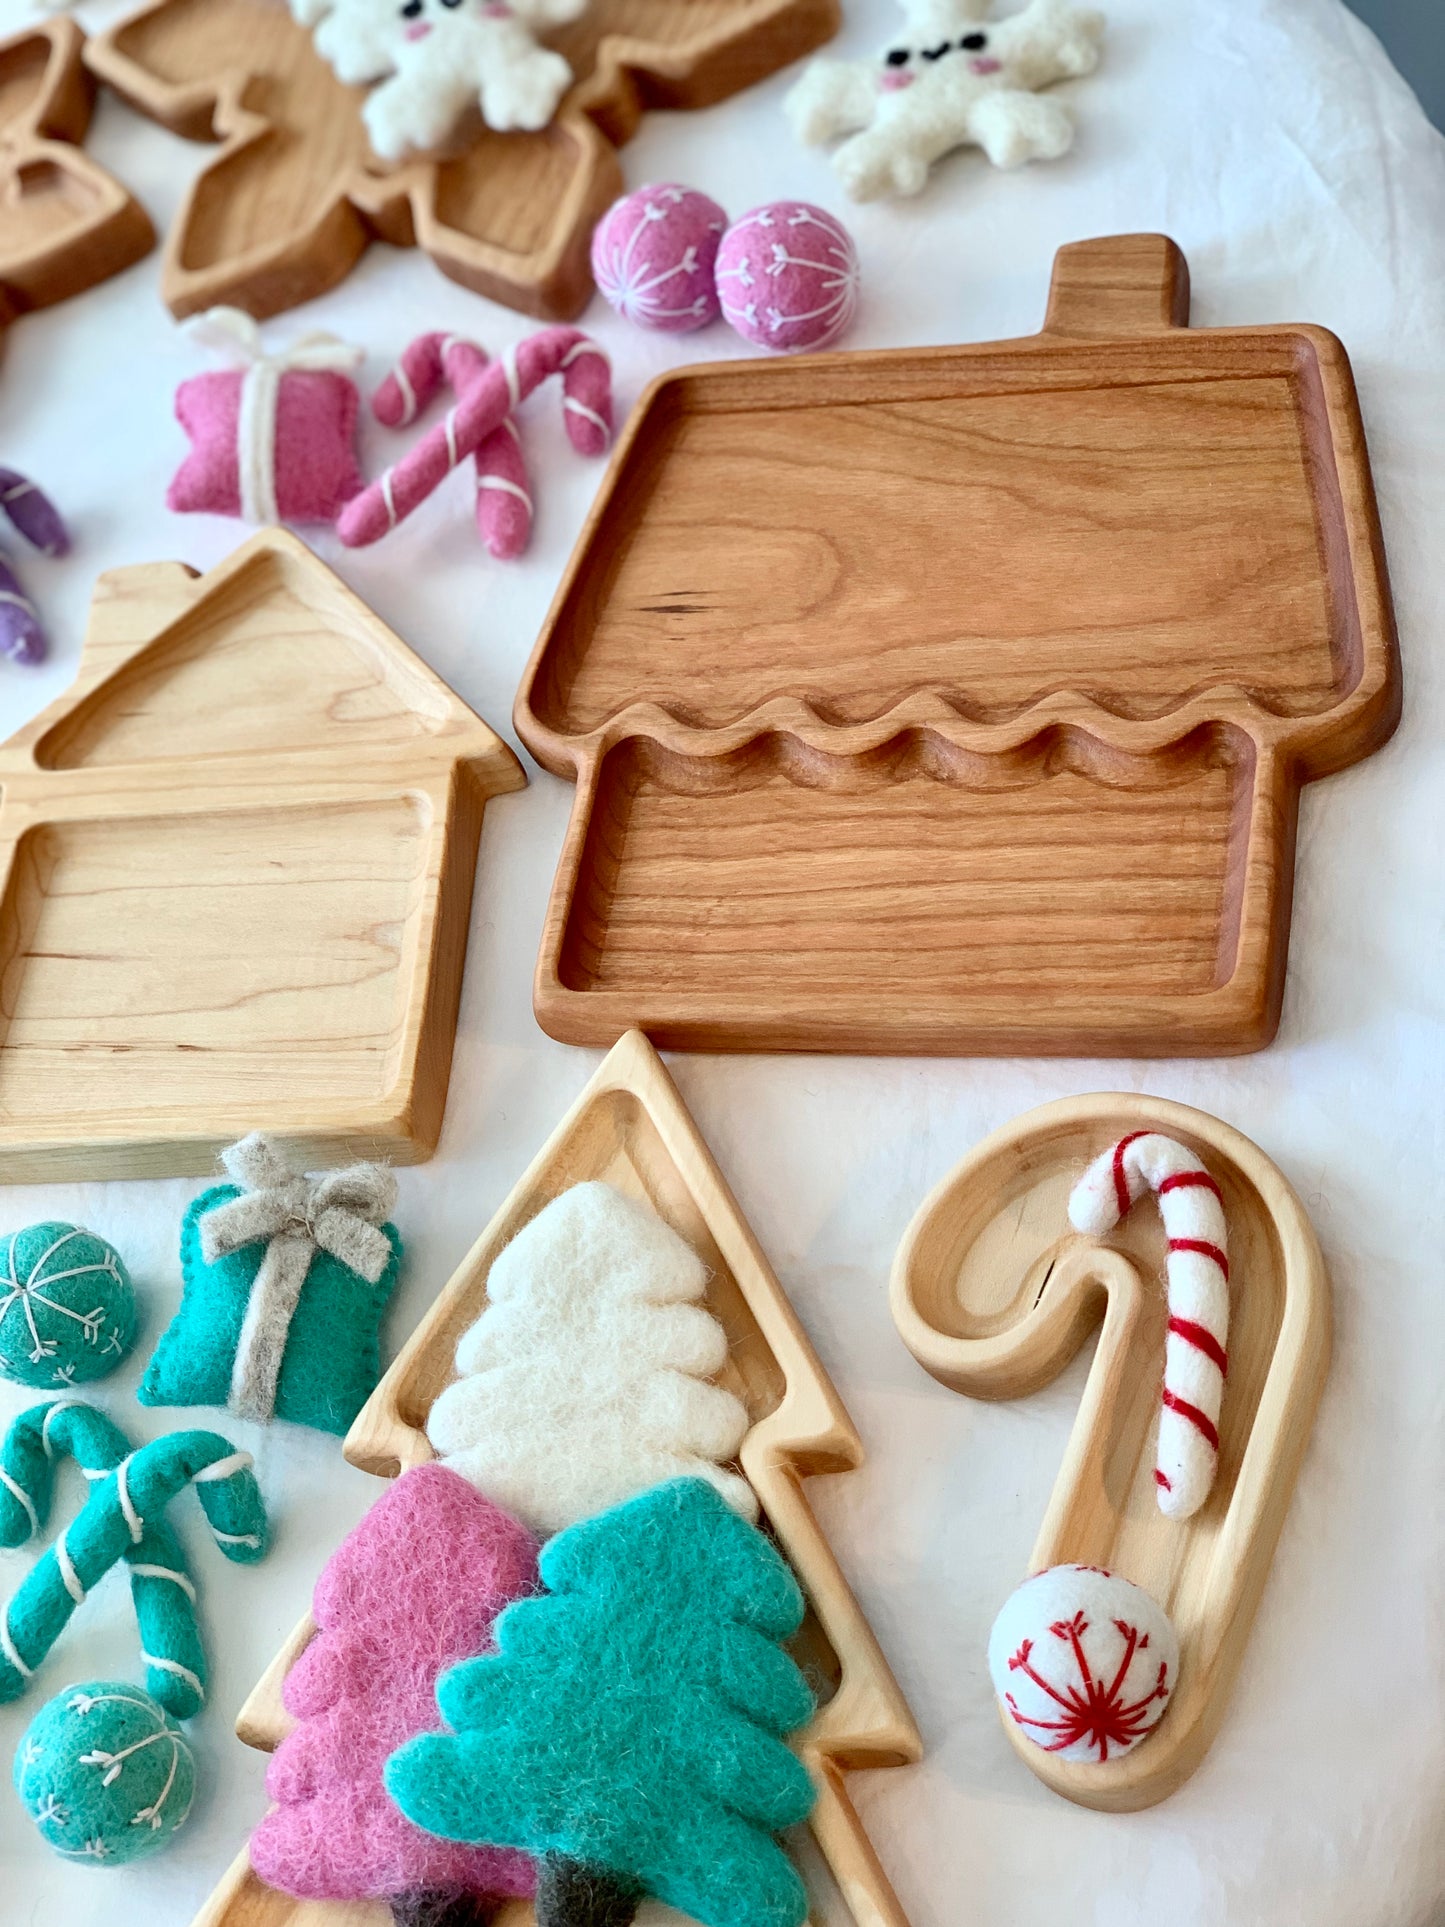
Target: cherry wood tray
993,1294
958,699
65,223
236,865
295,197
630,1128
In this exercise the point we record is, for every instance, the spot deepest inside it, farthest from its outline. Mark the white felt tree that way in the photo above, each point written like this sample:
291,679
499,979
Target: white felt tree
587,1378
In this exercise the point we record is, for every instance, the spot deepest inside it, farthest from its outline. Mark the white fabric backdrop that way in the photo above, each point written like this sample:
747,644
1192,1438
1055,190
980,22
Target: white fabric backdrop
1274,142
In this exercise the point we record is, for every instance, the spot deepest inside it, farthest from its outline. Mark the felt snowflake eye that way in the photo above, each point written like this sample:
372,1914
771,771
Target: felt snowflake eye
451,3
937,53
411,9
974,43
897,56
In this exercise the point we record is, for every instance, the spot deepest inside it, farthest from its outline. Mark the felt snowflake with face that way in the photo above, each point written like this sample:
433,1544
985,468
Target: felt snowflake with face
435,59
952,78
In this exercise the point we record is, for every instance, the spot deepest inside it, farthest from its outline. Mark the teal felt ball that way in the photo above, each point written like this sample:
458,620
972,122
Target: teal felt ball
105,1774
67,1311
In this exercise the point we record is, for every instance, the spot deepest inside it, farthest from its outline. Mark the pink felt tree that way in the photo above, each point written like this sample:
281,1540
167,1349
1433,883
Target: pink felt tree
414,1589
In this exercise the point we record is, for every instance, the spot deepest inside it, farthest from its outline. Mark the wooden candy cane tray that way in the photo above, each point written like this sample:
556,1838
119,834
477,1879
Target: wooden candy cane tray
993,1294
295,197
629,1128
959,699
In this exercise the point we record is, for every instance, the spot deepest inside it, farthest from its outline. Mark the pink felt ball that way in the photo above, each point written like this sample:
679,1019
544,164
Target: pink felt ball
653,254
787,276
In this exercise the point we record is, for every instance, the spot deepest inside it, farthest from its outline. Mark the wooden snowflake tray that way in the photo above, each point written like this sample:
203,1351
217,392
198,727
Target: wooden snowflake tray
630,1128
294,197
958,699
65,223
236,866
993,1294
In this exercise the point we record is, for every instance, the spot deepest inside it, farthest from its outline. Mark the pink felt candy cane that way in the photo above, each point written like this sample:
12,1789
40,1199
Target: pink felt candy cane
479,424
504,501
1198,1274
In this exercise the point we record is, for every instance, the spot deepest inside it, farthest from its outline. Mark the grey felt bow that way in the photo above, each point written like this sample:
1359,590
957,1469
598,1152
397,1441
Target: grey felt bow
341,1212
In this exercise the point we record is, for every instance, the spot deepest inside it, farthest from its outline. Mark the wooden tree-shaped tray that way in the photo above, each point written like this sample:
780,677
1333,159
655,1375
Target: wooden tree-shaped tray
630,1128
295,197
958,699
236,866
993,1294
64,222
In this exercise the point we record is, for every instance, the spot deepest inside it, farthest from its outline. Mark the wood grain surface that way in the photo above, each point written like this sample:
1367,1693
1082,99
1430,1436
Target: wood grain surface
235,879
295,196
630,1128
993,1294
959,699
65,223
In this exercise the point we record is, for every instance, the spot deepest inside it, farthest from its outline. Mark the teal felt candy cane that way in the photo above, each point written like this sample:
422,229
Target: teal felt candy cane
122,1519
161,1590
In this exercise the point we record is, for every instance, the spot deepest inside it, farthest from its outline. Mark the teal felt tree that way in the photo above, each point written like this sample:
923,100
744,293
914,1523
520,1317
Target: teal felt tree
628,1729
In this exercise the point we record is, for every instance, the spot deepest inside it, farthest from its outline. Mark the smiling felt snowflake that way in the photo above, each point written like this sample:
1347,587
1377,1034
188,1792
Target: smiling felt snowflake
952,78
1083,1662
437,58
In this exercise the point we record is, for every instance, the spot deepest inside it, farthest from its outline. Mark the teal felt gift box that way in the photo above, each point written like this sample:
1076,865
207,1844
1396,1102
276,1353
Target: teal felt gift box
285,1281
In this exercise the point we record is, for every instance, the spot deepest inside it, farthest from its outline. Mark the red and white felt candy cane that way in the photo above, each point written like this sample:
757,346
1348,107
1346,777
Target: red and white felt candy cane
1197,1269
476,425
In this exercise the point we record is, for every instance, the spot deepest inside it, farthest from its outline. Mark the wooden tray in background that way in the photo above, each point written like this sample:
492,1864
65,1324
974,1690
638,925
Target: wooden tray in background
236,866
630,1128
958,699
65,223
295,197
993,1294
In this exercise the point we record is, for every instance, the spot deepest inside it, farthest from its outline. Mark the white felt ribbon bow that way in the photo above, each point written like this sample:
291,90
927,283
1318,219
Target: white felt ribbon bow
341,1212
233,333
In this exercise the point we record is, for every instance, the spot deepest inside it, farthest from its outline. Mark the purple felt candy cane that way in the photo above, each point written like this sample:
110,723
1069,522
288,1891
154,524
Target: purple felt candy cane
36,517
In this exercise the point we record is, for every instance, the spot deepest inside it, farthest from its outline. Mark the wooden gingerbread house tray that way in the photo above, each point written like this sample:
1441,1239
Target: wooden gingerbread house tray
295,197
236,867
630,1128
958,699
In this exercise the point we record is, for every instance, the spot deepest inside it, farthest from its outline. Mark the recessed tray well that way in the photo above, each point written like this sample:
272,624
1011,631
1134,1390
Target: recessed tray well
65,223
958,699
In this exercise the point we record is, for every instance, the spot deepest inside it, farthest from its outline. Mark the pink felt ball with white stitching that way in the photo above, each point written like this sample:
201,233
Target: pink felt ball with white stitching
653,254
787,276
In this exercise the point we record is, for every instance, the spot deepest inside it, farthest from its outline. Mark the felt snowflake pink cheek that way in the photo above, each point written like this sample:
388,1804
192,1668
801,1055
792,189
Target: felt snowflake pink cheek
787,277
273,438
653,254
1083,1662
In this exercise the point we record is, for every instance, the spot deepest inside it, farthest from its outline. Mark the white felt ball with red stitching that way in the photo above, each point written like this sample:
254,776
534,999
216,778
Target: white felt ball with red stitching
1083,1662
787,276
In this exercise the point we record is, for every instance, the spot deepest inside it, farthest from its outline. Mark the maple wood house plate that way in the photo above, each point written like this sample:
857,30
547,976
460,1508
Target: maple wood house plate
236,865
958,699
